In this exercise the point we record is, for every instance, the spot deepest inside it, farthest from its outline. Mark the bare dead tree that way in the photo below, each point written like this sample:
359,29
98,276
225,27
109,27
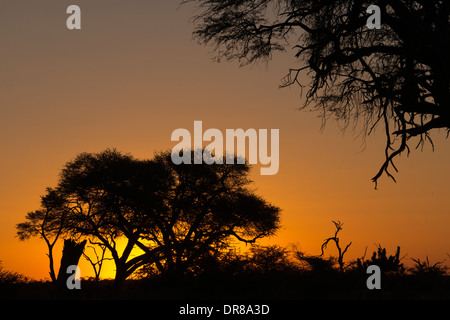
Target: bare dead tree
97,264
341,252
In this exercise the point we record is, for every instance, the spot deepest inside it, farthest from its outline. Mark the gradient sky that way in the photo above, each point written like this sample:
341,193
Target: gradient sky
133,74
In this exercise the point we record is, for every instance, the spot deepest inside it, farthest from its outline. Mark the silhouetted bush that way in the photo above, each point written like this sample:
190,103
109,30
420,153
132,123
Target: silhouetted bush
424,268
388,265
317,264
9,277
258,259
266,259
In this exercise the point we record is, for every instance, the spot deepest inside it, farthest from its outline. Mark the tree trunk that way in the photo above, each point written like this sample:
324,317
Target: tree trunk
52,269
121,274
72,252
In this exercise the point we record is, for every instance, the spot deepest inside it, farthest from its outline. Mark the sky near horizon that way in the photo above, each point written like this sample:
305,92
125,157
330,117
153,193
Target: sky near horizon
133,74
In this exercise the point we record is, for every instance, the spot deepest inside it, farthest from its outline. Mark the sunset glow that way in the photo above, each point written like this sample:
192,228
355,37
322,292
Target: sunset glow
133,74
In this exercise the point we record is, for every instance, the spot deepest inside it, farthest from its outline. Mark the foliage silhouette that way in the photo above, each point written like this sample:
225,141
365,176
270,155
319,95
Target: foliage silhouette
9,277
316,264
174,214
269,259
257,260
388,265
397,76
425,268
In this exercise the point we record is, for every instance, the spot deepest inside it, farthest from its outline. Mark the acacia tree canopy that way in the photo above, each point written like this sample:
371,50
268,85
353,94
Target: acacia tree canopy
174,213
397,77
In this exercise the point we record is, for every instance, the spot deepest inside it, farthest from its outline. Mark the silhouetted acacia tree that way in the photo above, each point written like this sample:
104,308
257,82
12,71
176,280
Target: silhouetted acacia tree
47,223
207,206
172,213
397,76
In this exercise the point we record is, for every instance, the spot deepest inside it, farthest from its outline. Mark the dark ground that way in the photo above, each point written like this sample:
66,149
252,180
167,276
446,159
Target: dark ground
271,286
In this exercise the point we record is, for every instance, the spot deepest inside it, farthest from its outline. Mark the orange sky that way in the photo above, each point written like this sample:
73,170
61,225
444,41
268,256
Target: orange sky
133,74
